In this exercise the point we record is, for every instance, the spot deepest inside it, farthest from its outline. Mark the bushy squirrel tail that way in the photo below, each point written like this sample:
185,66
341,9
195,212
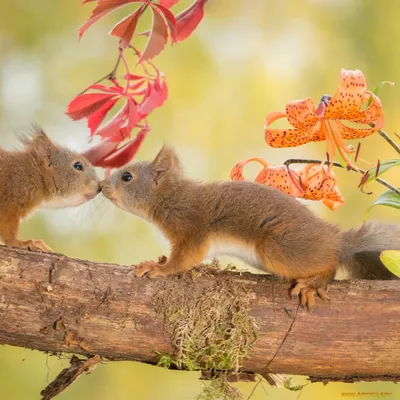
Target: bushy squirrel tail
361,248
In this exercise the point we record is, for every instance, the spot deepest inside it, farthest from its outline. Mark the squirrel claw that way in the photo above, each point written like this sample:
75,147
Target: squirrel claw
306,292
322,294
307,298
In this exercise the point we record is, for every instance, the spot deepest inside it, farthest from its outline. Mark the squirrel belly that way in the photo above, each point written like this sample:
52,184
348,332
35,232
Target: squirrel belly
235,248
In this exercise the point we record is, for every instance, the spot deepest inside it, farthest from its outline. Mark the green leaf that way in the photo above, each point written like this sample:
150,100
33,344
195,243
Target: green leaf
388,198
383,167
287,383
377,88
391,260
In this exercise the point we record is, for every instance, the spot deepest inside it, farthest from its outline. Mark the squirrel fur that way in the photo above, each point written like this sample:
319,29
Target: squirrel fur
42,174
264,227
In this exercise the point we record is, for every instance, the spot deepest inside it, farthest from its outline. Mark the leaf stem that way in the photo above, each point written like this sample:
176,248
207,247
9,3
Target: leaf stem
121,57
389,140
110,75
336,164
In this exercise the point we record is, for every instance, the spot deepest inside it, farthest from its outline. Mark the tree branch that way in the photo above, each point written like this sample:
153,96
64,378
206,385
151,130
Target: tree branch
53,303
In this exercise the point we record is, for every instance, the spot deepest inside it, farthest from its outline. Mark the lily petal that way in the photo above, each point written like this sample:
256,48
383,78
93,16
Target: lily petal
334,204
301,115
290,137
320,184
348,98
237,170
346,103
279,177
349,133
373,113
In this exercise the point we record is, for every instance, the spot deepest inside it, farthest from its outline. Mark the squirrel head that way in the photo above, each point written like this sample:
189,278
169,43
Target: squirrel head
68,177
140,187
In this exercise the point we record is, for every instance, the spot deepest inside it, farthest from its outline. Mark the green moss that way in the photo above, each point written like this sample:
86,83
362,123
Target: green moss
210,326
219,389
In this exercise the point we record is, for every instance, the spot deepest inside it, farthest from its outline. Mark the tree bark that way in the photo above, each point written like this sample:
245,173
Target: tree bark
53,303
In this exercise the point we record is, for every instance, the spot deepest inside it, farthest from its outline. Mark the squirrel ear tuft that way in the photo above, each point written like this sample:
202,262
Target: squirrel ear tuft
165,162
40,144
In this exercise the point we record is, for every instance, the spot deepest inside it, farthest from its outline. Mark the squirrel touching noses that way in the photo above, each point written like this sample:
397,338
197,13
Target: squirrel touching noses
42,174
260,225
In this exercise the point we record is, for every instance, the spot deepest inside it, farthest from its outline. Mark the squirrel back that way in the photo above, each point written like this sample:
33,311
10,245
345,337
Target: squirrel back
261,225
42,174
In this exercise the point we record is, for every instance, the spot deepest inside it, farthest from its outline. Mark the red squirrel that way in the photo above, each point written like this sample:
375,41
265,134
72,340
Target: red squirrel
42,174
260,225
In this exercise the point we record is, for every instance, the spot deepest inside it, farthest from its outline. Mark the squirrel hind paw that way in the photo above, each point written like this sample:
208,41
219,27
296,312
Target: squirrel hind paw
150,268
305,288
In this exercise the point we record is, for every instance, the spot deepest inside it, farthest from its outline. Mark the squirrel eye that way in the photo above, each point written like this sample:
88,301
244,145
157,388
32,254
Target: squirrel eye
126,177
78,166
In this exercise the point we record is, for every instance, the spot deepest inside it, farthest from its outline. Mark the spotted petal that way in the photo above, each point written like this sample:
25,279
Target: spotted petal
289,137
237,170
320,184
281,178
346,103
301,115
349,133
334,200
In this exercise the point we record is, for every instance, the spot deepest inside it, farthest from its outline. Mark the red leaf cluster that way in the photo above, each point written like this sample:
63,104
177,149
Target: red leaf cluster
165,24
140,95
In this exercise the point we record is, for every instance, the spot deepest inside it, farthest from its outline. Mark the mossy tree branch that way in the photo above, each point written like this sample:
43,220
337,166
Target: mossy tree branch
53,303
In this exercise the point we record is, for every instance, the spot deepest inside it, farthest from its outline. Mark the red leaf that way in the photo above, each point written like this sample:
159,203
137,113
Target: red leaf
124,154
107,89
133,116
94,120
86,104
111,129
187,20
102,150
137,85
156,96
170,19
133,77
168,3
157,39
126,28
103,8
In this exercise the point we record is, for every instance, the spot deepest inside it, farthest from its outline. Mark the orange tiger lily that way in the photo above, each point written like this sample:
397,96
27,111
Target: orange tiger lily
279,177
319,183
314,124
313,182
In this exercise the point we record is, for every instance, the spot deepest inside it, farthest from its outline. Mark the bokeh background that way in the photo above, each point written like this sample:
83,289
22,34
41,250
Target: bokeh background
247,58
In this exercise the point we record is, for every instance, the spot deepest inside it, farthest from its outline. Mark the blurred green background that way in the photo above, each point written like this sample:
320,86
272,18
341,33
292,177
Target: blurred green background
247,58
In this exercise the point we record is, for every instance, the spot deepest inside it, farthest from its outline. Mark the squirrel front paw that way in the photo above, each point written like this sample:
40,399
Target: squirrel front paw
36,245
150,268
32,245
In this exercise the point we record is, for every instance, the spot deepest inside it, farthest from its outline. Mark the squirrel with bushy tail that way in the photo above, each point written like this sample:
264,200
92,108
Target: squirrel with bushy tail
260,225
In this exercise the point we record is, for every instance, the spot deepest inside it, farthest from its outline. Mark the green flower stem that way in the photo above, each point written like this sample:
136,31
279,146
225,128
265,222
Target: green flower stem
389,140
